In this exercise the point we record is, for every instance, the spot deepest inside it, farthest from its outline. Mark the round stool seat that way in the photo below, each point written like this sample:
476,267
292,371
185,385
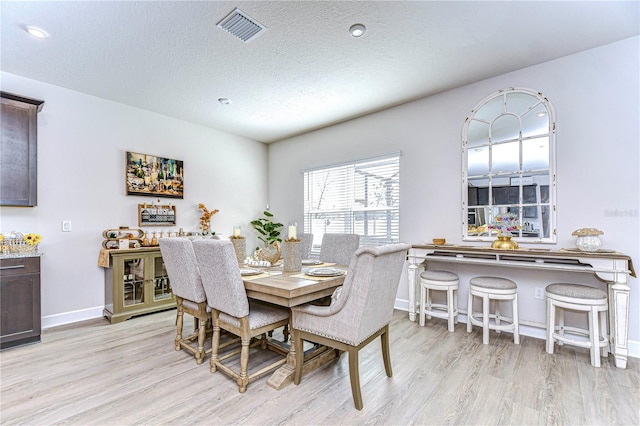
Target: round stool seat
576,297
444,281
493,283
496,290
444,276
587,295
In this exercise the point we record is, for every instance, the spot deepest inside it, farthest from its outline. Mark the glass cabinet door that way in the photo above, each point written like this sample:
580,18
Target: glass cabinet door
133,282
161,286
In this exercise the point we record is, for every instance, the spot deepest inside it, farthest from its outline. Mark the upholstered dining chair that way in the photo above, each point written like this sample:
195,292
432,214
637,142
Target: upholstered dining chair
232,310
359,313
306,243
186,284
339,248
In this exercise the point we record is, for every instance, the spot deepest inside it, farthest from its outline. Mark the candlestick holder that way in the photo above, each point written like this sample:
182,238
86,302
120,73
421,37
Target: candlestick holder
240,247
291,259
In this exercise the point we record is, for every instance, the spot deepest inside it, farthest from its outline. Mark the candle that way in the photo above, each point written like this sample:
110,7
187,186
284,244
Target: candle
292,231
236,231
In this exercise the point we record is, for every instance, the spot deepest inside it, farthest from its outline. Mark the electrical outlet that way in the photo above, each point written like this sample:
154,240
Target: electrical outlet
66,226
539,293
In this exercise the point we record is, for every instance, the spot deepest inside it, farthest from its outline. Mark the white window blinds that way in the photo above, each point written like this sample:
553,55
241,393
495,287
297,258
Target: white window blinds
360,197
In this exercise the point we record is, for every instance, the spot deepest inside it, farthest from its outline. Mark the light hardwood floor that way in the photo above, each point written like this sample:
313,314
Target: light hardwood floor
94,373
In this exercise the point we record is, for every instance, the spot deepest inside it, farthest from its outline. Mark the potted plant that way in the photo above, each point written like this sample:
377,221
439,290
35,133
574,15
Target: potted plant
269,231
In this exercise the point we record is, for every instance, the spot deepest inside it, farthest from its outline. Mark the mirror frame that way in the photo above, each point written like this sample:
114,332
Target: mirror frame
541,100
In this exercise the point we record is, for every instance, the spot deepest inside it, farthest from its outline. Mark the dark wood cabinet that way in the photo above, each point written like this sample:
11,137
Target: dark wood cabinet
18,150
19,301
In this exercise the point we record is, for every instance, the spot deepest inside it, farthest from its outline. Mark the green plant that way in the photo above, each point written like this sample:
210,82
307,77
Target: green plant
268,230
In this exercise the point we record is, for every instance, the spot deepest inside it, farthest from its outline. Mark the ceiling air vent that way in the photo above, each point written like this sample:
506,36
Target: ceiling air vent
241,25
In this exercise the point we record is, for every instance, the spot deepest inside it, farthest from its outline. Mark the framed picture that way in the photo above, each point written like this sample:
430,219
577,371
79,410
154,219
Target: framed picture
154,176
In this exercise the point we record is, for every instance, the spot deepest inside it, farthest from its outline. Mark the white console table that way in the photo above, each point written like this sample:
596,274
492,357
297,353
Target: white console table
612,268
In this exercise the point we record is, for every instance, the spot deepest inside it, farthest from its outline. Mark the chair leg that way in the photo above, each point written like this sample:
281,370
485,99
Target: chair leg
179,320
485,319
386,355
455,305
469,312
354,375
423,300
604,333
551,325
516,321
243,379
450,310
594,337
297,346
202,332
215,346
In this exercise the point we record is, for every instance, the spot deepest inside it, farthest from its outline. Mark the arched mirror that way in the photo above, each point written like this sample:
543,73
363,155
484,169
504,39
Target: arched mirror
508,166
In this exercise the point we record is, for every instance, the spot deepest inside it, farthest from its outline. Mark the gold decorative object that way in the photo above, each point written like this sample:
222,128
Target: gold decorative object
439,241
504,242
270,253
205,219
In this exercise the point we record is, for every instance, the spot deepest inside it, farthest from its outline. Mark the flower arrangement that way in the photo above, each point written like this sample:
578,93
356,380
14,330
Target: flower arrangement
205,226
505,224
32,239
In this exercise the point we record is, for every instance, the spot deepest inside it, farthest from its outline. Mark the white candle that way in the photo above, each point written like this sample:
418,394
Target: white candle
236,231
292,232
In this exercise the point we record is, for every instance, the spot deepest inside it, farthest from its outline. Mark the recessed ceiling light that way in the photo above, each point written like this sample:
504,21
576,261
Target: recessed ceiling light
36,32
224,101
357,30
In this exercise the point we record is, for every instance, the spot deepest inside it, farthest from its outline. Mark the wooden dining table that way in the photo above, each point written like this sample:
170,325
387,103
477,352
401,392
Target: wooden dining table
292,289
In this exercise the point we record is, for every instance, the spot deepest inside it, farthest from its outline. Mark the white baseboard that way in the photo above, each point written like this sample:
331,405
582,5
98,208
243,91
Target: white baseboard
529,328
71,317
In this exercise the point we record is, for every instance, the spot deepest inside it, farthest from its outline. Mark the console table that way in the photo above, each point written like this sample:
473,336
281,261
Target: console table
611,267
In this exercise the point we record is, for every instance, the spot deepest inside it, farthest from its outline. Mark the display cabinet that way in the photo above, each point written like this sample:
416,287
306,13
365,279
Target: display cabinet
19,300
136,283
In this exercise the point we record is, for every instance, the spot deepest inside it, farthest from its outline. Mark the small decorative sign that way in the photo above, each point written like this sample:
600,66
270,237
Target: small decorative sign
156,215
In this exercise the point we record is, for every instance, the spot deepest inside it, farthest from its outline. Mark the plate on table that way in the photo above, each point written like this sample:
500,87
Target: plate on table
308,262
325,272
249,272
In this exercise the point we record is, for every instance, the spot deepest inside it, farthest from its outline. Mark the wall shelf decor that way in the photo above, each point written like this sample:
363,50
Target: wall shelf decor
156,215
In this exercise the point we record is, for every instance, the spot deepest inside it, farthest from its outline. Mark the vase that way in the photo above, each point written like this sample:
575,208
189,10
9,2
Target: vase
588,243
240,247
291,256
504,242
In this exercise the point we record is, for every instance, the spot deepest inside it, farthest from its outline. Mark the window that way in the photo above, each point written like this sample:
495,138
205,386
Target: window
360,197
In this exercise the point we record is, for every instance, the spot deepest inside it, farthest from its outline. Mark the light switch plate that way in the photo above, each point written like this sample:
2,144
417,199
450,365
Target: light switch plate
66,226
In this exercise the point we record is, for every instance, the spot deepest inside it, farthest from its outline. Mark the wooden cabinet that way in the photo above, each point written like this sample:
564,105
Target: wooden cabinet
19,301
18,150
136,283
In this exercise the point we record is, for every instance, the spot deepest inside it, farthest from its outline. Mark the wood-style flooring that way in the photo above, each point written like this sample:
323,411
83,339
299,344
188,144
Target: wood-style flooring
94,373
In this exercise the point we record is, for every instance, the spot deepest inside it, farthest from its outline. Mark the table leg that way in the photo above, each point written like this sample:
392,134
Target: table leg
619,321
412,271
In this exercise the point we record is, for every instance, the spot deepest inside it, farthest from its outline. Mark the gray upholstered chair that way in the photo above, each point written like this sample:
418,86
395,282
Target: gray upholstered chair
232,310
306,243
339,248
358,314
186,284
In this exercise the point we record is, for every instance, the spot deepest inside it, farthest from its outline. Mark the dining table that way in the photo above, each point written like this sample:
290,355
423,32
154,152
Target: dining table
288,289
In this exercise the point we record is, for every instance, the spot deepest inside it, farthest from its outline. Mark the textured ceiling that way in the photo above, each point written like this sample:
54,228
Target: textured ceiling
303,72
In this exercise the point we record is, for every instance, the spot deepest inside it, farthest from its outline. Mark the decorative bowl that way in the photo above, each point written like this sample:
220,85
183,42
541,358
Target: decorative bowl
439,241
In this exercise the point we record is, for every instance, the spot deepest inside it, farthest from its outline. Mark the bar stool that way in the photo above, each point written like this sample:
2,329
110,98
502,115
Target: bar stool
496,289
582,298
439,281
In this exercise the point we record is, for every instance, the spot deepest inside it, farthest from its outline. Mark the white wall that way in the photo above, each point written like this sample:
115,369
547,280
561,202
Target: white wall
596,98
81,166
